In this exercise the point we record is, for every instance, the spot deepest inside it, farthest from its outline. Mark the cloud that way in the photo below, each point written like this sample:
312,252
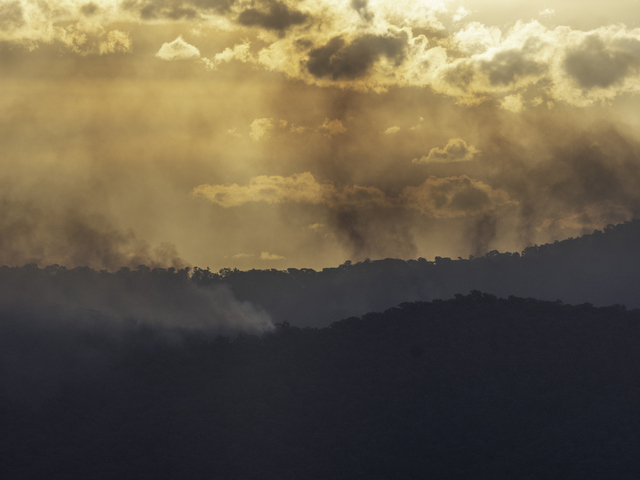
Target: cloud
240,52
547,12
512,103
89,9
243,255
178,50
597,63
508,66
456,150
436,197
272,15
391,130
116,42
454,197
338,59
360,45
259,128
269,189
177,10
333,127
181,50
11,15
81,27
461,13
315,227
362,7
270,256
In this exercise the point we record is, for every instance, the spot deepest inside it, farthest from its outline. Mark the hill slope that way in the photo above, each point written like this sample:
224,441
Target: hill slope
473,387
602,268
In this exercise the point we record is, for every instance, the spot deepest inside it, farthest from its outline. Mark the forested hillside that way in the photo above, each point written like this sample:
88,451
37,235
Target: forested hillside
602,268
472,387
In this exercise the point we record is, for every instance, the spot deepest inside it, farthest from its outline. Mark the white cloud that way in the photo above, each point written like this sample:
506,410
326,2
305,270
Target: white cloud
116,42
461,13
391,130
259,128
270,256
513,103
333,127
178,50
240,52
456,150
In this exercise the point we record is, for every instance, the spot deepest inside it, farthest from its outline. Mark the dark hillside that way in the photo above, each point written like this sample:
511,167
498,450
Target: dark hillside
602,268
473,387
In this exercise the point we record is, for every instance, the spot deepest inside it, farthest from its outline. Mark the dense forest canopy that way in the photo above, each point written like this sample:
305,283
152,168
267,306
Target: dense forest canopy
472,387
175,373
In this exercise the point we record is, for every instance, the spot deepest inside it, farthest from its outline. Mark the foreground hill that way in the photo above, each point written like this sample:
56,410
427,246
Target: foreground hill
473,387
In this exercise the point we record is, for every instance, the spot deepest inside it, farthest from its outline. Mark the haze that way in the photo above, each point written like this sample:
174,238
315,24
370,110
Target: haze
273,134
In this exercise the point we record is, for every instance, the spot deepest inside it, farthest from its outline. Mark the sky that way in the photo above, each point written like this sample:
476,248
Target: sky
281,133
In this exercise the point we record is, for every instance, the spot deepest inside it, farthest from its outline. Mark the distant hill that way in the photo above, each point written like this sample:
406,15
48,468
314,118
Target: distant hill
473,387
602,268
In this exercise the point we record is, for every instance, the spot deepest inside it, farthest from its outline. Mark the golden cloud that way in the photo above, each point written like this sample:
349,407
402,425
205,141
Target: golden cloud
259,128
272,189
436,197
361,45
454,197
456,150
332,127
270,256
178,50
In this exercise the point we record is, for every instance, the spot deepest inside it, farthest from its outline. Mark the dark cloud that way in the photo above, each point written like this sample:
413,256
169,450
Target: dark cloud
89,9
11,16
461,75
470,199
362,7
273,15
176,9
507,66
595,64
339,60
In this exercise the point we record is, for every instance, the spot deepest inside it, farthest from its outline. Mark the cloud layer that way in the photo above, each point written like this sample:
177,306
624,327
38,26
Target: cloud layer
397,128
363,46
456,150
436,197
